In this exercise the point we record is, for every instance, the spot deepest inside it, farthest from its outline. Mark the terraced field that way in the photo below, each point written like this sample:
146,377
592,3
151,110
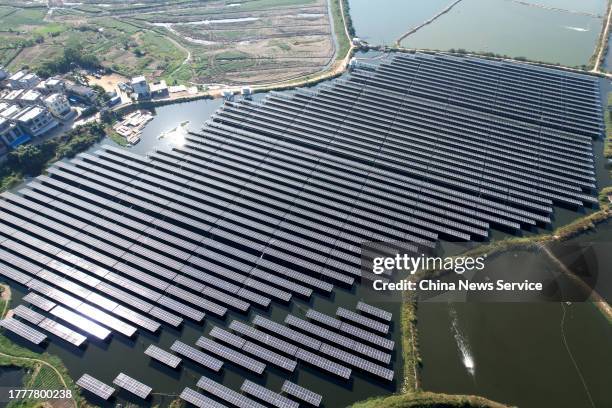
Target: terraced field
199,41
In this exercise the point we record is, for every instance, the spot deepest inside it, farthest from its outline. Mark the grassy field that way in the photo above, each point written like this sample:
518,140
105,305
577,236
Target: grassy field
429,400
281,39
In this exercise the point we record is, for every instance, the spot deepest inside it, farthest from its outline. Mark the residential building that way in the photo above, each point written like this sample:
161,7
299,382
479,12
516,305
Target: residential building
11,134
23,80
58,105
159,89
82,93
51,85
36,120
31,97
12,96
140,88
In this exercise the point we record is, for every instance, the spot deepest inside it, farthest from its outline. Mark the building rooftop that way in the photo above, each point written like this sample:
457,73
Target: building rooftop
53,97
31,95
17,76
138,79
11,111
29,113
53,81
158,86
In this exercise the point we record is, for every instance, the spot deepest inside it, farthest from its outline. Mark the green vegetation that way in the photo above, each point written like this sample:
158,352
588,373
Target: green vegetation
410,348
608,121
31,160
428,400
73,56
344,43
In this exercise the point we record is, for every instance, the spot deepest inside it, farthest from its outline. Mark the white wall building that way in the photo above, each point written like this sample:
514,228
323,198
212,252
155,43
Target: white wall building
58,105
23,80
36,120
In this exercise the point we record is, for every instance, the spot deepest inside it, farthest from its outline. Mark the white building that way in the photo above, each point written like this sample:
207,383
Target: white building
159,89
51,85
140,87
31,97
23,80
58,105
36,120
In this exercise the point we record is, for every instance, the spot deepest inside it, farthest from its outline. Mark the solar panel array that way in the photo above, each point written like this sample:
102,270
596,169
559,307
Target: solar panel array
95,386
163,356
23,330
302,393
272,200
196,355
134,386
267,395
199,400
226,394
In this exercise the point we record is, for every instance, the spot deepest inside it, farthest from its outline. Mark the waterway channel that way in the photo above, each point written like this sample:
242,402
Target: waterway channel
567,36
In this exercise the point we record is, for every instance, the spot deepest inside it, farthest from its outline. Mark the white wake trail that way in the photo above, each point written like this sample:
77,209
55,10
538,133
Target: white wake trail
462,343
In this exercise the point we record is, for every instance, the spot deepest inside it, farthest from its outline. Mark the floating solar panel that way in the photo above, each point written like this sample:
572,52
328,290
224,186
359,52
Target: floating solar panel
134,386
199,400
357,362
227,337
350,329
82,323
302,393
323,363
28,314
281,330
226,394
166,317
264,338
136,318
196,355
374,311
267,395
181,308
23,330
362,320
62,332
106,319
39,301
95,386
163,356
231,355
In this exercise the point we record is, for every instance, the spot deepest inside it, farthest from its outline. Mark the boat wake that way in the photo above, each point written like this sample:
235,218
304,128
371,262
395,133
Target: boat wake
579,29
464,348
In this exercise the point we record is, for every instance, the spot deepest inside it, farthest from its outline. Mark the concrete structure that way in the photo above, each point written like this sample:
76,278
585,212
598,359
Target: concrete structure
51,85
140,88
12,96
36,120
31,97
23,80
58,105
159,89
11,135
80,92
